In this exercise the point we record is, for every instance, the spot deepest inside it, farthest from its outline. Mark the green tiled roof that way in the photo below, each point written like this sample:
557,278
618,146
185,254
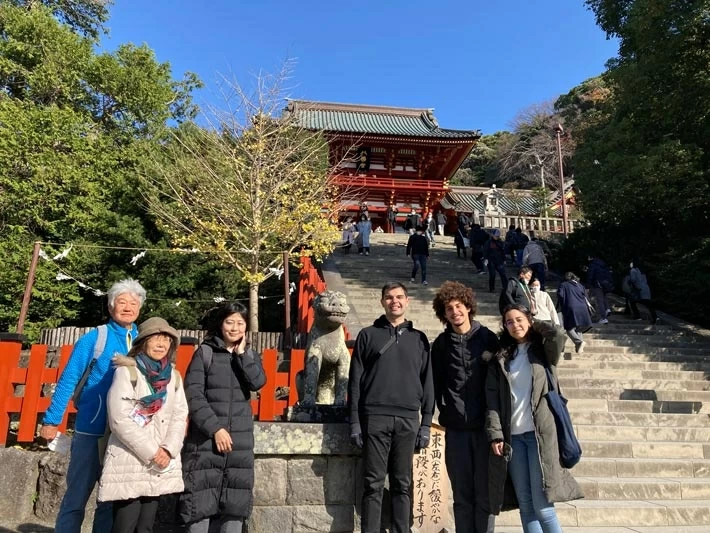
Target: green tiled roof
378,120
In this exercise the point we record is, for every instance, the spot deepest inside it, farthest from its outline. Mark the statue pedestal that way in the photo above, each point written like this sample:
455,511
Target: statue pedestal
320,413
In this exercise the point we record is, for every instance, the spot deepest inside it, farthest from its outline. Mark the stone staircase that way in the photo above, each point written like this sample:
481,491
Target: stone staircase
639,397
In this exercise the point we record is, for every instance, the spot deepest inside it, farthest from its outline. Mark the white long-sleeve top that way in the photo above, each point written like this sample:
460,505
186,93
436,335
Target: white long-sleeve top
521,390
545,308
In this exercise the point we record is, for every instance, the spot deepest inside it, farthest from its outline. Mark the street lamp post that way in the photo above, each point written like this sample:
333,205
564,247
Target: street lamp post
559,131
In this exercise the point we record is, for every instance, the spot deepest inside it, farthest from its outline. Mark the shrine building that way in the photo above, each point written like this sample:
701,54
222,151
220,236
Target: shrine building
387,157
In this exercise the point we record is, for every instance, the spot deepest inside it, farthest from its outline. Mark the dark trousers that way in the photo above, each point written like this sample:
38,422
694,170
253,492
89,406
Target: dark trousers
388,449
539,273
135,516
417,260
477,258
492,269
647,304
467,463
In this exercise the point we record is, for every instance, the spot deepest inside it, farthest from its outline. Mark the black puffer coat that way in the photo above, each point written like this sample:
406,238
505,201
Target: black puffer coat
218,397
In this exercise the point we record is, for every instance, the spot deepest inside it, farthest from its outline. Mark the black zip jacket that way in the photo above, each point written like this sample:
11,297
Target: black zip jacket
397,383
460,365
418,245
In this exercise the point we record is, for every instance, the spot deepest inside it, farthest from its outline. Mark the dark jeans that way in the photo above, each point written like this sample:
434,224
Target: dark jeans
82,474
388,449
419,259
539,273
135,516
492,269
477,258
459,249
647,304
467,464
600,299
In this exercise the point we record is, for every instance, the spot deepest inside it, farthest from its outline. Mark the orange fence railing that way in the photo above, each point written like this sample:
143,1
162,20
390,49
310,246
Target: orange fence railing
30,402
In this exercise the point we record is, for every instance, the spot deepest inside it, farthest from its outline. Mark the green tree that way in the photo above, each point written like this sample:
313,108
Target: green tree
74,127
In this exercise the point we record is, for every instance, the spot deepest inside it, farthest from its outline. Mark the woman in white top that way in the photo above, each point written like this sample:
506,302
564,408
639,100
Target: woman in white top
519,422
543,304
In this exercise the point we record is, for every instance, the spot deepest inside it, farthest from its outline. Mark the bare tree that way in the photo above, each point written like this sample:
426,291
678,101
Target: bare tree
250,186
531,153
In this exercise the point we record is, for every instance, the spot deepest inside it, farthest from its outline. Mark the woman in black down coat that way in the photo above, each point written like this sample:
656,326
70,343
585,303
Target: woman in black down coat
218,455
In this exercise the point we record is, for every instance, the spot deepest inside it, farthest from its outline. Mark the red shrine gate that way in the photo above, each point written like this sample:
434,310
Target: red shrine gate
389,157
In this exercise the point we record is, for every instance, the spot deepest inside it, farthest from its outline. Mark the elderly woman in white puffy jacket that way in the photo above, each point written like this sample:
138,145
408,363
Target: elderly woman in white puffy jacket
147,416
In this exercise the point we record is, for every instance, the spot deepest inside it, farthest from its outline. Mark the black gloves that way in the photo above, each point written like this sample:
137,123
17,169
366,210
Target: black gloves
356,435
422,438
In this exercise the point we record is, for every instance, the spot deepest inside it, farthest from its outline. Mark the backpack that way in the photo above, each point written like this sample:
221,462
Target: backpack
98,350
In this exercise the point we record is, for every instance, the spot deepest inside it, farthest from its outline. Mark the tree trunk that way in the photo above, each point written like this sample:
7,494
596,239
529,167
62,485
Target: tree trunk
253,307
542,177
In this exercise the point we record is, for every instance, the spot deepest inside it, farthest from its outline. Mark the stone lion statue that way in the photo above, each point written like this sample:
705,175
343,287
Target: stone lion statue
324,379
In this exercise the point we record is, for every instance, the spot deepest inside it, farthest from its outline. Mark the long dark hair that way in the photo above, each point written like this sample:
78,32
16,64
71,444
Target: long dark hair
213,318
508,344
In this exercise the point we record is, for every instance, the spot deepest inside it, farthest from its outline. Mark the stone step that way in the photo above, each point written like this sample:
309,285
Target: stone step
636,406
583,364
615,529
614,488
661,357
686,377
646,450
619,393
642,468
635,514
636,433
617,383
643,420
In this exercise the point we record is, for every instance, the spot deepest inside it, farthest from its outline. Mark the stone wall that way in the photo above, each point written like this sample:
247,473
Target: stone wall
307,479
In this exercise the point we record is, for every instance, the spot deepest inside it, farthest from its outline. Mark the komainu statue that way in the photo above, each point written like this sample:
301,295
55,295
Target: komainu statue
324,379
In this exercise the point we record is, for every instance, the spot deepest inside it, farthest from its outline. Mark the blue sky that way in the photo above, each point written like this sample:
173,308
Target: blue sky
476,63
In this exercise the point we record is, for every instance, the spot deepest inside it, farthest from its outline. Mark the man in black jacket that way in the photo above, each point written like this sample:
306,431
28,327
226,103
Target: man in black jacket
459,363
390,383
418,249
517,291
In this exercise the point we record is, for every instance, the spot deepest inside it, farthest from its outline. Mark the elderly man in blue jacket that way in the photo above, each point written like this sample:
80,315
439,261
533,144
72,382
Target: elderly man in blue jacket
92,353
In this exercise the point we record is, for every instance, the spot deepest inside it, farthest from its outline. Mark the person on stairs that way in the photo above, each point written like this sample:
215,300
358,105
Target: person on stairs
573,304
640,292
516,291
418,250
494,253
600,281
478,239
545,309
459,359
390,385
364,228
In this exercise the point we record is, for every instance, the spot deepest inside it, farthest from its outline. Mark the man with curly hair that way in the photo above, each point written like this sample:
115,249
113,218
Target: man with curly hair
459,358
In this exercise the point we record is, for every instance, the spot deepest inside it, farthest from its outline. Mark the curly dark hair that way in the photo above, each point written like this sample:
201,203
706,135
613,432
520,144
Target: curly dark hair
453,290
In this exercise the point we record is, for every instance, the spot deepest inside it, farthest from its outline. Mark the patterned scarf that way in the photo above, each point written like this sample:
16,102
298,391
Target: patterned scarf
158,374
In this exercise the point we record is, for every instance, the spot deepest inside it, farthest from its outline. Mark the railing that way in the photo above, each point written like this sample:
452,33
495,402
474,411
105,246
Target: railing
527,223
29,401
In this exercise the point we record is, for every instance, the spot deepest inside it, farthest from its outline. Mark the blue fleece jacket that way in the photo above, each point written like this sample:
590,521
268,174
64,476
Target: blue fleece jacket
91,411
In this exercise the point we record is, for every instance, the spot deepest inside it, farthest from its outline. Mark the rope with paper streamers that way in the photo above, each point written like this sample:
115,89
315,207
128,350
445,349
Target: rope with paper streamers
63,275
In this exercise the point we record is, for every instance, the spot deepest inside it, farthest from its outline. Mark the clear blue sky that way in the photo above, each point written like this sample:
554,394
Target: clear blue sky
476,63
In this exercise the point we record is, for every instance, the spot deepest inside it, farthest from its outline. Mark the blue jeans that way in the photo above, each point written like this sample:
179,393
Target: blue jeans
419,259
536,513
82,474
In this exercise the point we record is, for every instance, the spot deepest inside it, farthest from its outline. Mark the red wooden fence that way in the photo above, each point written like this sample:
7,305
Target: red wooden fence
32,403
310,284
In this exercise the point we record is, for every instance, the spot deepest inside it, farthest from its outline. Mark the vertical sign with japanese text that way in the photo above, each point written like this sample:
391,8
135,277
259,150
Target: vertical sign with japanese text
431,499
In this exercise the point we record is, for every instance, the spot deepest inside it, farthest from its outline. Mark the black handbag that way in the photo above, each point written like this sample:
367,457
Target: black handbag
570,449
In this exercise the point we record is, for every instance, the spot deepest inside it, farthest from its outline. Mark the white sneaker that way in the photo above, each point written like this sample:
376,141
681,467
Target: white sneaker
579,348
603,321
425,283
412,280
